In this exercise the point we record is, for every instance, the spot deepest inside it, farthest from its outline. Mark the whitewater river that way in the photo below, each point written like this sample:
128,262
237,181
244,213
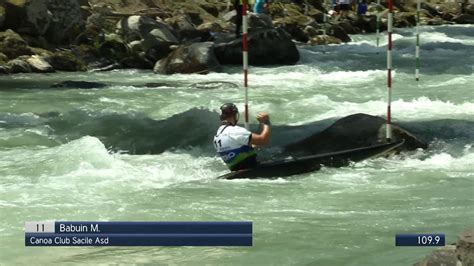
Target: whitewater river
134,152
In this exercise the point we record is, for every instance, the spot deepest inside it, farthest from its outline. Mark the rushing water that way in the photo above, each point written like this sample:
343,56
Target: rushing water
131,152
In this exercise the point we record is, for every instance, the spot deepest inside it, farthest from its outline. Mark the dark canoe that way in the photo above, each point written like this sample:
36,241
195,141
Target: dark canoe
301,165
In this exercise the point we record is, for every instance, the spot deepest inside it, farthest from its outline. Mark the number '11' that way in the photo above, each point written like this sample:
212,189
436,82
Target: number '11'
38,227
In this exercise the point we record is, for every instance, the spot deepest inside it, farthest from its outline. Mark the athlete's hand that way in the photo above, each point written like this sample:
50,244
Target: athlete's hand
263,118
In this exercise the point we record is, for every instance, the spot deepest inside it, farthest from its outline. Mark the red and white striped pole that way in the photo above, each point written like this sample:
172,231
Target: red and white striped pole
245,60
389,71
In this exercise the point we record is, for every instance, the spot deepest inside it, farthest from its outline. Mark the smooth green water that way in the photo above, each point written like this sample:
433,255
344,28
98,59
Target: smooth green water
81,155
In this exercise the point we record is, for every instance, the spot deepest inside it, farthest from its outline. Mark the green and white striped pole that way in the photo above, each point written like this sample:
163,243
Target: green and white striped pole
417,51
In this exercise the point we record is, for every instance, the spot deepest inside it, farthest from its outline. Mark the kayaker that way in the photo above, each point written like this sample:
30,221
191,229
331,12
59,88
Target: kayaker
235,144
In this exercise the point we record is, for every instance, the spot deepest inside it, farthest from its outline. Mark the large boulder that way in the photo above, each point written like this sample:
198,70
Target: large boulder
138,27
432,10
465,247
12,45
367,24
464,19
354,131
295,25
27,16
65,61
67,21
338,32
266,47
113,48
3,59
194,58
442,256
186,30
156,37
469,9
260,21
39,65
18,66
348,27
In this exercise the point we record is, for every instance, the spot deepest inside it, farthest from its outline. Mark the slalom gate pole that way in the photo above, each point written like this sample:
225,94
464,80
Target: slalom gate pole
389,72
378,25
325,20
417,51
245,60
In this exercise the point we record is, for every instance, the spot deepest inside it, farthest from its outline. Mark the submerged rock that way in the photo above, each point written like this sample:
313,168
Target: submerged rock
194,58
266,47
79,84
354,131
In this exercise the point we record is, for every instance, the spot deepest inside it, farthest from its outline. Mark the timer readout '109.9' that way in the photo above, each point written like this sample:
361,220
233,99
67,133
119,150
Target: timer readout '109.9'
419,240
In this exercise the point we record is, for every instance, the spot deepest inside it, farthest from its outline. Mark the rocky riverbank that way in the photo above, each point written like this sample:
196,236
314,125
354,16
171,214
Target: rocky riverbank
460,253
178,36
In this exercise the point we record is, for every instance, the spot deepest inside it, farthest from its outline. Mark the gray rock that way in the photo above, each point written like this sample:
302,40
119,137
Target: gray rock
324,39
310,31
464,19
230,16
18,66
3,58
469,9
354,131
266,47
12,45
260,21
436,21
368,23
39,65
4,69
65,61
163,35
194,58
432,10
28,17
67,21
138,27
338,32
465,247
136,46
186,30
113,48
210,27
443,256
